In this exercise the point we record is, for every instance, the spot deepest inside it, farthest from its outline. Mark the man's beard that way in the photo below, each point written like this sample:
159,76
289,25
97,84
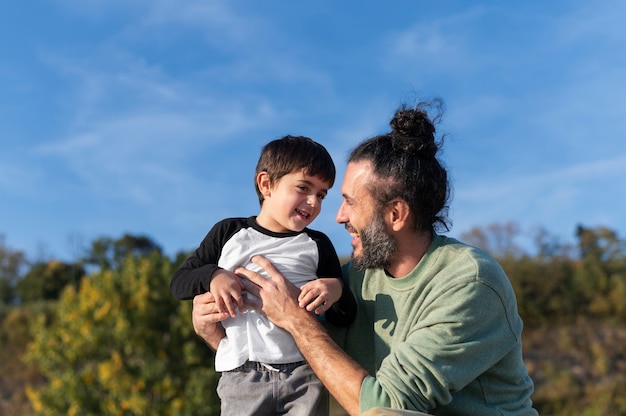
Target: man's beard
378,246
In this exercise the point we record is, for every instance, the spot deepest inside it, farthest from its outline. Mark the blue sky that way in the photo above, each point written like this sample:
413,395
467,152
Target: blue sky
147,117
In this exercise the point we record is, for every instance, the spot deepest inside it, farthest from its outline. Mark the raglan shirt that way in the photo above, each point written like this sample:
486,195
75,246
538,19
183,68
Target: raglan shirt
299,256
445,339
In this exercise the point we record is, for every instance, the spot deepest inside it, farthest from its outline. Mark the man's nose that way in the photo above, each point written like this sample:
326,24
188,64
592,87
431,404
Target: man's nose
341,216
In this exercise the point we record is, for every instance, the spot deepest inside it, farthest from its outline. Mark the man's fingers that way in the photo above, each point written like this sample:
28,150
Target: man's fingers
249,276
206,310
206,297
267,265
221,304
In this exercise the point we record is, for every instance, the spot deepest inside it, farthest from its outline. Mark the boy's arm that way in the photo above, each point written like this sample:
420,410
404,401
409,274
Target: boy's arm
342,312
194,276
320,294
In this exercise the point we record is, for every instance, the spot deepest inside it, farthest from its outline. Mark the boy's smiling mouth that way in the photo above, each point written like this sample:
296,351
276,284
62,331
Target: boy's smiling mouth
303,214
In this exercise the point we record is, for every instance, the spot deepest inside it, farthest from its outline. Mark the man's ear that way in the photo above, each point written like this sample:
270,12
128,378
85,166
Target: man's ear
398,214
264,183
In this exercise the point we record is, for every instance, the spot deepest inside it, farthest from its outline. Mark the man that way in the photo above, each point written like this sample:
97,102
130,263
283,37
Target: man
437,328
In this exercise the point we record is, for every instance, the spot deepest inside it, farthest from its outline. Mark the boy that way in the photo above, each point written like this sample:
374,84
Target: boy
263,371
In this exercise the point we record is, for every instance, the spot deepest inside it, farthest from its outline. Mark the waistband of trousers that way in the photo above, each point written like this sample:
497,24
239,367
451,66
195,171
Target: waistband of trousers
264,367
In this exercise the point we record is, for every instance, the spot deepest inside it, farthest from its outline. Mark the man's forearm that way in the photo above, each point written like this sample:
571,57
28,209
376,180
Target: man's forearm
278,299
341,375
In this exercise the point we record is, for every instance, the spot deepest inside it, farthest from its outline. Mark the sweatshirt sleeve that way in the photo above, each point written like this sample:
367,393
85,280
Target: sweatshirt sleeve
462,336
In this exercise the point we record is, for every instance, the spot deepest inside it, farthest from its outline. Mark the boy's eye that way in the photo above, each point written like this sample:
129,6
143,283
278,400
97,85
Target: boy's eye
321,196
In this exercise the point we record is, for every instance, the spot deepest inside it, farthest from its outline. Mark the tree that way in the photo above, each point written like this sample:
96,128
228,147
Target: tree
601,277
107,253
121,344
601,244
46,280
11,264
497,239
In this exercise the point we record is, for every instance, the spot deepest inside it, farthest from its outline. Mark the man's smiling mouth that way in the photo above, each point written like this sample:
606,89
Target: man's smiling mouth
351,230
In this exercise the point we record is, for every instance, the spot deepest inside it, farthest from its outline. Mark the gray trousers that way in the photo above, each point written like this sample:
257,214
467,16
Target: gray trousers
276,389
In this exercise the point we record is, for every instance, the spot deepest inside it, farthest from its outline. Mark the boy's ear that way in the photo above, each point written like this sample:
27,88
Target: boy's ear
398,214
263,182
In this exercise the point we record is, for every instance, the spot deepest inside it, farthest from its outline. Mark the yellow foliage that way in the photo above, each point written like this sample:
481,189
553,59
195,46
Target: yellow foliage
86,329
102,311
106,349
56,383
74,410
105,372
108,371
34,398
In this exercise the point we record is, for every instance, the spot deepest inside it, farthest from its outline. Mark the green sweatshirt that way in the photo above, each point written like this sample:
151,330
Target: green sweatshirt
445,339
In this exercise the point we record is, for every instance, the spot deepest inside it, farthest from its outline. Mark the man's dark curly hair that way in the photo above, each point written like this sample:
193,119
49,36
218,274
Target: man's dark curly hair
405,166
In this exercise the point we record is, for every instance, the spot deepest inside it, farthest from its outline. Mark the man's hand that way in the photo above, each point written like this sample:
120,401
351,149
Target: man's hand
277,298
206,319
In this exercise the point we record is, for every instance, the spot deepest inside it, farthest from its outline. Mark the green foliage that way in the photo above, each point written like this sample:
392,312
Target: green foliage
107,253
574,310
46,281
15,375
543,287
11,264
120,344
578,368
553,285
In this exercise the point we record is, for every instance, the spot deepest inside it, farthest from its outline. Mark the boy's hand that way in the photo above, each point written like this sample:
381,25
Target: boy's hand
226,288
318,295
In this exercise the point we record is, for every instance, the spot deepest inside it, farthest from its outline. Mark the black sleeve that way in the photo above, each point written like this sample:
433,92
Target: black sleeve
342,312
194,276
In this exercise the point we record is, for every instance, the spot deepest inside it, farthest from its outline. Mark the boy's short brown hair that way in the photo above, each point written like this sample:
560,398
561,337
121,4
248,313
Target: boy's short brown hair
294,153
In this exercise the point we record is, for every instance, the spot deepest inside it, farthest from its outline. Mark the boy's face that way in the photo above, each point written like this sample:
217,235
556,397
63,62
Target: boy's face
292,203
